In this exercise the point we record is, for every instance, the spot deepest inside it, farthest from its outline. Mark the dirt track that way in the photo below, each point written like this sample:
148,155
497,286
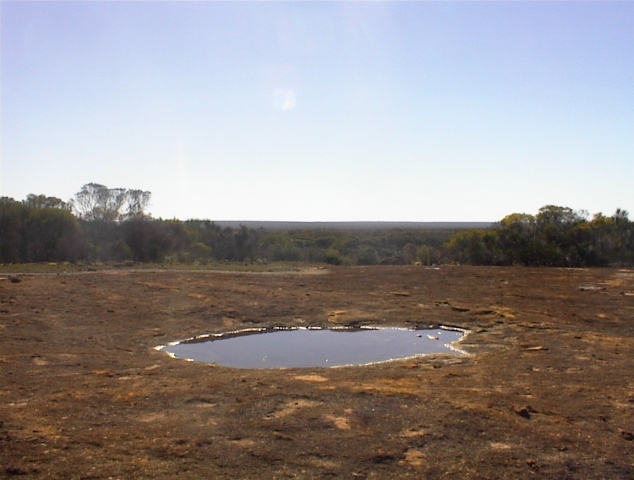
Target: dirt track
547,393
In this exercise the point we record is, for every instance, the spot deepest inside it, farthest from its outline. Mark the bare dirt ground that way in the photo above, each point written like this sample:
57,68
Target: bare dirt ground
548,391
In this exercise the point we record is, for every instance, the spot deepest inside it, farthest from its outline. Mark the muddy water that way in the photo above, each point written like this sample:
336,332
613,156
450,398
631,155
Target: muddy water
301,348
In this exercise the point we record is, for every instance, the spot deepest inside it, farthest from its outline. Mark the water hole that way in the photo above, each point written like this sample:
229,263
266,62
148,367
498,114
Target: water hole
314,347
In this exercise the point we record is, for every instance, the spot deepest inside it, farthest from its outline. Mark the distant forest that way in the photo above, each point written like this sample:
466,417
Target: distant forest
102,224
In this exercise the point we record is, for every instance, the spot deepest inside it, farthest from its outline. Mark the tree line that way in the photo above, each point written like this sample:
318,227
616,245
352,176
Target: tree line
555,237
101,224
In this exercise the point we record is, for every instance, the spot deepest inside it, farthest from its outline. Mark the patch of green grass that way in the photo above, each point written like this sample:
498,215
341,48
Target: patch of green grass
43,267
65,267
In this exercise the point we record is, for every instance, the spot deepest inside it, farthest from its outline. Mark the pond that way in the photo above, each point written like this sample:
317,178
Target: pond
314,347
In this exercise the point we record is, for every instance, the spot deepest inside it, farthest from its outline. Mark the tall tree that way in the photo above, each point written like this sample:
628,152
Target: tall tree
90,200
137,201
98,202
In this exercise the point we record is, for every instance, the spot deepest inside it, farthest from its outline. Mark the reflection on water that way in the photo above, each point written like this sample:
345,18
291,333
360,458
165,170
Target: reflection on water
314,347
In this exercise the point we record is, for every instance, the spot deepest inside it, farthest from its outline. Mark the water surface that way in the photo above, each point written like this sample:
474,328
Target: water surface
314,347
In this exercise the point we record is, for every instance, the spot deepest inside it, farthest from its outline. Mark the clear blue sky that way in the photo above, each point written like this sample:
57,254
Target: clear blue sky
322,111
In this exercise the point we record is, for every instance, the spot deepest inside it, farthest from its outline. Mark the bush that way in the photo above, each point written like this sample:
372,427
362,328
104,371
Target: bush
333,257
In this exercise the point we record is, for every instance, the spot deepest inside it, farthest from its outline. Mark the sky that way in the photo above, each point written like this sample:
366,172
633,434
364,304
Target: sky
322,111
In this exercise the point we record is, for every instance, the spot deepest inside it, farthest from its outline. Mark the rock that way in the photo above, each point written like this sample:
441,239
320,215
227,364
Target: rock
459,308
14,279
16,471
524,412
629,436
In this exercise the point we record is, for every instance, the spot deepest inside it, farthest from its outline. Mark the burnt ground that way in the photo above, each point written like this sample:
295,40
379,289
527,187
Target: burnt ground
548,391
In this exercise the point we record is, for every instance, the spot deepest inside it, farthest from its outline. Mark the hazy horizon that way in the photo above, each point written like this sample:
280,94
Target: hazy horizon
356,225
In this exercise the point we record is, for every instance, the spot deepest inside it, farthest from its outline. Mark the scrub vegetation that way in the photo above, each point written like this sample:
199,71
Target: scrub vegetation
102,224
